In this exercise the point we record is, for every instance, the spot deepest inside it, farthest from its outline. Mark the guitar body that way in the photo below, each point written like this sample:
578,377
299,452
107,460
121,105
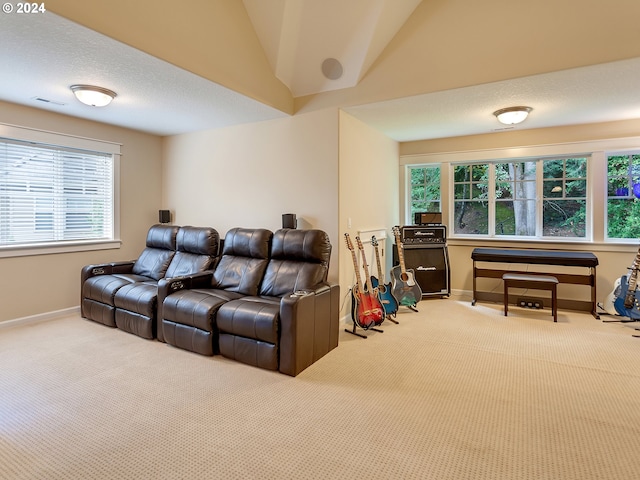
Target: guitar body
609,301
366,309
388,301
404,287
619,302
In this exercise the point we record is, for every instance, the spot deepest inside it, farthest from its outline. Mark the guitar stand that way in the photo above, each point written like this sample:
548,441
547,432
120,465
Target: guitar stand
353,332
617,321
388,317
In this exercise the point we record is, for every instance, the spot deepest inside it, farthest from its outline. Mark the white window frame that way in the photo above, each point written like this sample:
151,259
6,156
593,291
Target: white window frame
409,200
596,185
24,134
492,201
607,154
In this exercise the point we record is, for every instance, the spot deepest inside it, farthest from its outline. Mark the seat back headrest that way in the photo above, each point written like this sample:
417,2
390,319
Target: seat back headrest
301,245
244,259
299,261
162,236
200,240
247,242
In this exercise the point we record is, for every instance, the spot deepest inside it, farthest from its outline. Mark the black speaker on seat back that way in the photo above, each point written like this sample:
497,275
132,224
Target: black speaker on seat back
164,216
430,265
289,220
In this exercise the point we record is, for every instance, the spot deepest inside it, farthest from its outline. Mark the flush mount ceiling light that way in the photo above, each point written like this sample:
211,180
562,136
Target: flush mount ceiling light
93,96
512,115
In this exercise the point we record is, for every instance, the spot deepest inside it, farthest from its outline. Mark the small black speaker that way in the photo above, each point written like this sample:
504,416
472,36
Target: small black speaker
289,220
164,216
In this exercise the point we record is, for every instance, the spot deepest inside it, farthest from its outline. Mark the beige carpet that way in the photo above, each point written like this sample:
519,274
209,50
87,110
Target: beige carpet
452,392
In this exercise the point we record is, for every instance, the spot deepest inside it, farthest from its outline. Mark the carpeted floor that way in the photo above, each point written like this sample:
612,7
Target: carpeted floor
452,392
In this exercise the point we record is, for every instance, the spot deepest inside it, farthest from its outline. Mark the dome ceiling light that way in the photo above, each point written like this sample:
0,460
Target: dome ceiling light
93,96
512,115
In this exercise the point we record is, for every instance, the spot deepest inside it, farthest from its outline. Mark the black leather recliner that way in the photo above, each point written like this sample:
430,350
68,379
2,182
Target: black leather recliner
124,294
267,303
99,283
189,304
136,303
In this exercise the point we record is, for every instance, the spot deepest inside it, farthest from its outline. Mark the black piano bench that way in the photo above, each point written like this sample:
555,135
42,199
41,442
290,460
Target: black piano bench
534,282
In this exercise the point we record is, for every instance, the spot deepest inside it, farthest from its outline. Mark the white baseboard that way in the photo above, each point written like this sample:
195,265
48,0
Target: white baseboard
41,317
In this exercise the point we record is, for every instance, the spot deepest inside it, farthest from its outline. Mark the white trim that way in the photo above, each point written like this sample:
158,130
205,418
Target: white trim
47,249
552,149
63,140
52,138
39,318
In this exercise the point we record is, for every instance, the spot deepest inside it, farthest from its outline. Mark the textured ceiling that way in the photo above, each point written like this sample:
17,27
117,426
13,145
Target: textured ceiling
42,55
599,93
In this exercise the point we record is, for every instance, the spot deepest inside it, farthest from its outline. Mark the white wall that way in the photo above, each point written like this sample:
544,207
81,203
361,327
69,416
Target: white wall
249,175
33,285
369,192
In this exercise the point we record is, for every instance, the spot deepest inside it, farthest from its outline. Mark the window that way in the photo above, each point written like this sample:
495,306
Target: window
54,195
425,189
623,196
502,198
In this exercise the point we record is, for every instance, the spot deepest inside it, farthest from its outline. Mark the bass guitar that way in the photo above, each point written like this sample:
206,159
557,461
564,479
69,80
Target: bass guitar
403,283
366,309
627,302
387,299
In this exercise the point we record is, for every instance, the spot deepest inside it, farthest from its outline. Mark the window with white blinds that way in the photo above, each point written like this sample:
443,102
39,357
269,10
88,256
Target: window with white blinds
54,195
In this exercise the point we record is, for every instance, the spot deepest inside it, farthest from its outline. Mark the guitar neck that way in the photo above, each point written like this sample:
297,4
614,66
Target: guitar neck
365,267
403,269
378,265
400,248
633,280
356,269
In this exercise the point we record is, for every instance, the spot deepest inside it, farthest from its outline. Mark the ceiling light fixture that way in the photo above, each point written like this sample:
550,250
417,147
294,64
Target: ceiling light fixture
512,115
93,96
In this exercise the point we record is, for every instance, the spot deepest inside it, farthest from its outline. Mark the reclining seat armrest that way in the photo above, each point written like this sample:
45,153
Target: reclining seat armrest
89,271
297,325
167,286
308,327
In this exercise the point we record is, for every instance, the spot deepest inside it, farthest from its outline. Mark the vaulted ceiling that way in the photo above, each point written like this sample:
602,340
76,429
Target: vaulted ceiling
412,69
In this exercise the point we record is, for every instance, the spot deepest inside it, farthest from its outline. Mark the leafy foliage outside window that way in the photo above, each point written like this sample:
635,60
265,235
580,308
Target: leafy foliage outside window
509,191
425,189
564,197
470,192
623,196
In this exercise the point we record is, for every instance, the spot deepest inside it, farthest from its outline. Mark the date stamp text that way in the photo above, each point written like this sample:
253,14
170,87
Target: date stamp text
21,7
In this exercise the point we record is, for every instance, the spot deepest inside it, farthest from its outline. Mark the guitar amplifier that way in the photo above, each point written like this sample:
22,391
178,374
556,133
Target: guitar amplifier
424,236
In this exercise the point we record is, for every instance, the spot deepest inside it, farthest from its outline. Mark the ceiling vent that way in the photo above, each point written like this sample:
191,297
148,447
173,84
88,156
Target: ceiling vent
45,100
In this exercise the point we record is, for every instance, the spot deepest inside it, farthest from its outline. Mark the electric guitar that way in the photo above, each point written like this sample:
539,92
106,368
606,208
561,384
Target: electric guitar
368,285
366,309
403,283
627,303
387,299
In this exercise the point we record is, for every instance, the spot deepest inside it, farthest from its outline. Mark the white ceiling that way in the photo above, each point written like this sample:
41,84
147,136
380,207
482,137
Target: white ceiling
42,55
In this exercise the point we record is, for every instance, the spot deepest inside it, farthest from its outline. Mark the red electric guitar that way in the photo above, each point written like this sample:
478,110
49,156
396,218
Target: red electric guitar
366,309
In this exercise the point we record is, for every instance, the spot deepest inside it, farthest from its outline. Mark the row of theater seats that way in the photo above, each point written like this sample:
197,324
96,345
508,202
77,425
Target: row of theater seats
258,297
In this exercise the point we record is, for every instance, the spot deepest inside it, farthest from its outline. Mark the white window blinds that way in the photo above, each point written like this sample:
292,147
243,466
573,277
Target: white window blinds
51,194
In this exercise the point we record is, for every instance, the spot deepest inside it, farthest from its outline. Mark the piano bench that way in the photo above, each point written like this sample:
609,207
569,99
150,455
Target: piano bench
534,282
